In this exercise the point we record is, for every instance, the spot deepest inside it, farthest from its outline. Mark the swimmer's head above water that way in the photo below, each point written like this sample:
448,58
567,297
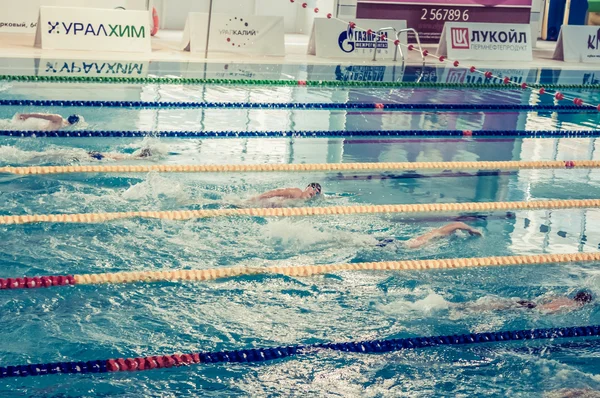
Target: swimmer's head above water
313,189
74,119
583,297
145,153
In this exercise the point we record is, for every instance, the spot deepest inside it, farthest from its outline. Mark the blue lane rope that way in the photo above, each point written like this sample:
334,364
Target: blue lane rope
297,106
308,134
267,354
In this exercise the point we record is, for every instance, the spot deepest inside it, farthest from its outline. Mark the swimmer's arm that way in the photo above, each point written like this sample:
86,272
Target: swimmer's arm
117,156
458,226
57,119
288,193
446,230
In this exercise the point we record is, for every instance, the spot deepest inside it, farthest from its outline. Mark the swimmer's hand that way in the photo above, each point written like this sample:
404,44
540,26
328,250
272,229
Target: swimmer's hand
339,195
473,232
458,226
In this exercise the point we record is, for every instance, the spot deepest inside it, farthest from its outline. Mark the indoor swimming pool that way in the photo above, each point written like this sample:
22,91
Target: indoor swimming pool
130,320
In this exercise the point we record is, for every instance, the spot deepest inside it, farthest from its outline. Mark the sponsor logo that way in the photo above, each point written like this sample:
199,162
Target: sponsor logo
238,32
89,29
456,76
460,38
351,39
594,41
591,78
96,68
359,73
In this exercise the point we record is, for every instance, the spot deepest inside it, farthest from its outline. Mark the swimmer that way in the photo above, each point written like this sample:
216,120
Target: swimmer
142,154
552,305
313,189
573,393
433,235
45,121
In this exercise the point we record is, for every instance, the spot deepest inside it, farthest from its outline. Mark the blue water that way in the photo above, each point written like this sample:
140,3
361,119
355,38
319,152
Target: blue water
99,322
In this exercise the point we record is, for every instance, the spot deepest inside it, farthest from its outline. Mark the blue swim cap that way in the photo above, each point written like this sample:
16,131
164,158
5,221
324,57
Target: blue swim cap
73,119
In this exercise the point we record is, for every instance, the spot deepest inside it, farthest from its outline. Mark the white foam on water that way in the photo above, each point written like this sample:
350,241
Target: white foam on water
303,233
154,187
53,154
431,302
158,148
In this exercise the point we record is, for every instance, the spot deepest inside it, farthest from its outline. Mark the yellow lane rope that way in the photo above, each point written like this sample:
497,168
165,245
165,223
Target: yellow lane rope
212,168
309,270
302,211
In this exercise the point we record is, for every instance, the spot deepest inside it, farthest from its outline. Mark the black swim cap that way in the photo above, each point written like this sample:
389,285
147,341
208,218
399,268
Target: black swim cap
73,119
316,187
145,153
583,297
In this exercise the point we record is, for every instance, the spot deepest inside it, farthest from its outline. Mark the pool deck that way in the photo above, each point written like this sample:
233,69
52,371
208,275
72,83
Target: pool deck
166,46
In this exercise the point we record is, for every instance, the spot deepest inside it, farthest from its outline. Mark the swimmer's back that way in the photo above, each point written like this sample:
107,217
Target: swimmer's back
30,124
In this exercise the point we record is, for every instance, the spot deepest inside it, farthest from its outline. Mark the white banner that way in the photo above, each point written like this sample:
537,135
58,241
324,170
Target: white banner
578,44
93,30
247,34
55,67
21,16
332,38
195,32
486,41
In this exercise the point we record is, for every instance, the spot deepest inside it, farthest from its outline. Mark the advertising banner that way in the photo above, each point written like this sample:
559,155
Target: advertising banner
21,16
356,73
247,34
332,38
562,76
57,67
427,17
578,44
486,41
62,28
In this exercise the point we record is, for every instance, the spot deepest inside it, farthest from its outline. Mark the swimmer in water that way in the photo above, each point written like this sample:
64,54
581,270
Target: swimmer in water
142,154
433,235
551,305
45,121
312,190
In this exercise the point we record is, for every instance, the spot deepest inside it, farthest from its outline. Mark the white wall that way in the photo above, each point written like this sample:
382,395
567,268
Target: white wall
306,16
174,12
296,19
345,9
280,8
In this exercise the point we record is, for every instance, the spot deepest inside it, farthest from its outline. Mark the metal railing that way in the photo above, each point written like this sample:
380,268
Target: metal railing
398,47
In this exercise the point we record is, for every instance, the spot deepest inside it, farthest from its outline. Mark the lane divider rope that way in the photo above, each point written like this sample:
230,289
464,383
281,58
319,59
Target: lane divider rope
270,354
308,134
297,106
283,82
323,167
293,271
88,218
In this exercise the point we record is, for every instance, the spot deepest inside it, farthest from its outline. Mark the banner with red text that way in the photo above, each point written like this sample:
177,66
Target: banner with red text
486,41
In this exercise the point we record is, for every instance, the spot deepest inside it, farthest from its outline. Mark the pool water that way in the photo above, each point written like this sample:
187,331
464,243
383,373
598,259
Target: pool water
106,321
